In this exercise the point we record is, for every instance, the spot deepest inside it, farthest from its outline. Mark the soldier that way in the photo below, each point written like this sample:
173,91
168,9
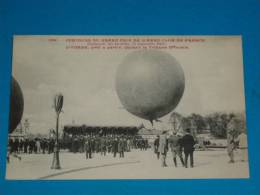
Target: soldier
81,144
163,148
25,146
51,146
188,142
231,145
43,145
115,146
88,148
231,140
103,145
31,146
175,145
121,147
16,145
21,143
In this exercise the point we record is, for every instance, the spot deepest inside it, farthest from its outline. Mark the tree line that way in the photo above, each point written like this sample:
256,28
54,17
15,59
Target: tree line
216,123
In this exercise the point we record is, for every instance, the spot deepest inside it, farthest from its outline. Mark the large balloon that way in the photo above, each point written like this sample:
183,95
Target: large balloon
150,83
16,105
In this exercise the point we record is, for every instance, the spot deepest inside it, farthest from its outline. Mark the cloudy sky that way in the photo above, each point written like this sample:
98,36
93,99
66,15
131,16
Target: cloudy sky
213,72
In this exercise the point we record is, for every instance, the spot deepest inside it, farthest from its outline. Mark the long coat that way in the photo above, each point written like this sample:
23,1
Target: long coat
163,144
174,143
88,147
115,146
188,143
121,146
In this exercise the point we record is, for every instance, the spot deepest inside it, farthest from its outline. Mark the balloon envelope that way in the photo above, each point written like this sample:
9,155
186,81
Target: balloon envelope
16,105
150,83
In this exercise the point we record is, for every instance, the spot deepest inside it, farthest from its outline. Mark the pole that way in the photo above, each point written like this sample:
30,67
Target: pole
56,159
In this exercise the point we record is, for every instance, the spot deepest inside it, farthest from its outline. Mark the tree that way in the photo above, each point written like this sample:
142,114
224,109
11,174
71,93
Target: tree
176,121
220,122
198,122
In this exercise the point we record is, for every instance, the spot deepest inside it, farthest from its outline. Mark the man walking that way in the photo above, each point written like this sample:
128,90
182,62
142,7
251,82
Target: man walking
163,148
175,146
188,143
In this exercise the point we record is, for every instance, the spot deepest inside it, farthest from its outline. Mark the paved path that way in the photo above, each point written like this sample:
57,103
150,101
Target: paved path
136,165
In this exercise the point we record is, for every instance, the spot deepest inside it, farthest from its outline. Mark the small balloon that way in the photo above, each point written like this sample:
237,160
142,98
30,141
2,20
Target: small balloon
16,105
150,83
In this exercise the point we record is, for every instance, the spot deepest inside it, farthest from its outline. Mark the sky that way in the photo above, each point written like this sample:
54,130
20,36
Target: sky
213,80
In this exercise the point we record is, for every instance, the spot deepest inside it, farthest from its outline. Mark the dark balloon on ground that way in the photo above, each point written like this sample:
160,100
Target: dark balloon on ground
150,83
16,105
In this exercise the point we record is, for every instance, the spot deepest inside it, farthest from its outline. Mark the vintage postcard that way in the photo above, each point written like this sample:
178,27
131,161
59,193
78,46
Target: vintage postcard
127,107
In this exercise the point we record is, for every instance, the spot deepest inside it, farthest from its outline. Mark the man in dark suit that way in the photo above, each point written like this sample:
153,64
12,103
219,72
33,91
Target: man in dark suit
121,147
115,146
188,142
88,148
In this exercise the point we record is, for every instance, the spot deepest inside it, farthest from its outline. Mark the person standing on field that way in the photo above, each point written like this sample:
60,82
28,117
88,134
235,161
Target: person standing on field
175,146
163,148
188,143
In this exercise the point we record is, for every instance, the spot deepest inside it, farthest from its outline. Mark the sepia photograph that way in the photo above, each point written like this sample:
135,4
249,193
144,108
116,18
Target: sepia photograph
127,107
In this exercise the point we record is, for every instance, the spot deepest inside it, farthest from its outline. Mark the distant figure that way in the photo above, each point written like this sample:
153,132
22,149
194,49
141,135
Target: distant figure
156,147
25,146
43,145
188,143
242,139
121,147
128,144
163,148
88,148
103,146
231,145
115,146
38,146
11,151
175,146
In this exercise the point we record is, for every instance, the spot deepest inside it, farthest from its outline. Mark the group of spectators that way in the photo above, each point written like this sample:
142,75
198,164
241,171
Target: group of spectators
104,144
31,145
177,144
88,144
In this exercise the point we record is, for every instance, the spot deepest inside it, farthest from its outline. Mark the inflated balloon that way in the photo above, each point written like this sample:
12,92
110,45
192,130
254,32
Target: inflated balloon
16,105
150,83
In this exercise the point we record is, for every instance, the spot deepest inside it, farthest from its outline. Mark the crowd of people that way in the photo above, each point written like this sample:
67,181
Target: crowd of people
88,144
31,145
179,144
176,143
103,144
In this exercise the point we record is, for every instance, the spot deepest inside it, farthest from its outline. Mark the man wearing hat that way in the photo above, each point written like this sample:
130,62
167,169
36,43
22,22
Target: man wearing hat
188,143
